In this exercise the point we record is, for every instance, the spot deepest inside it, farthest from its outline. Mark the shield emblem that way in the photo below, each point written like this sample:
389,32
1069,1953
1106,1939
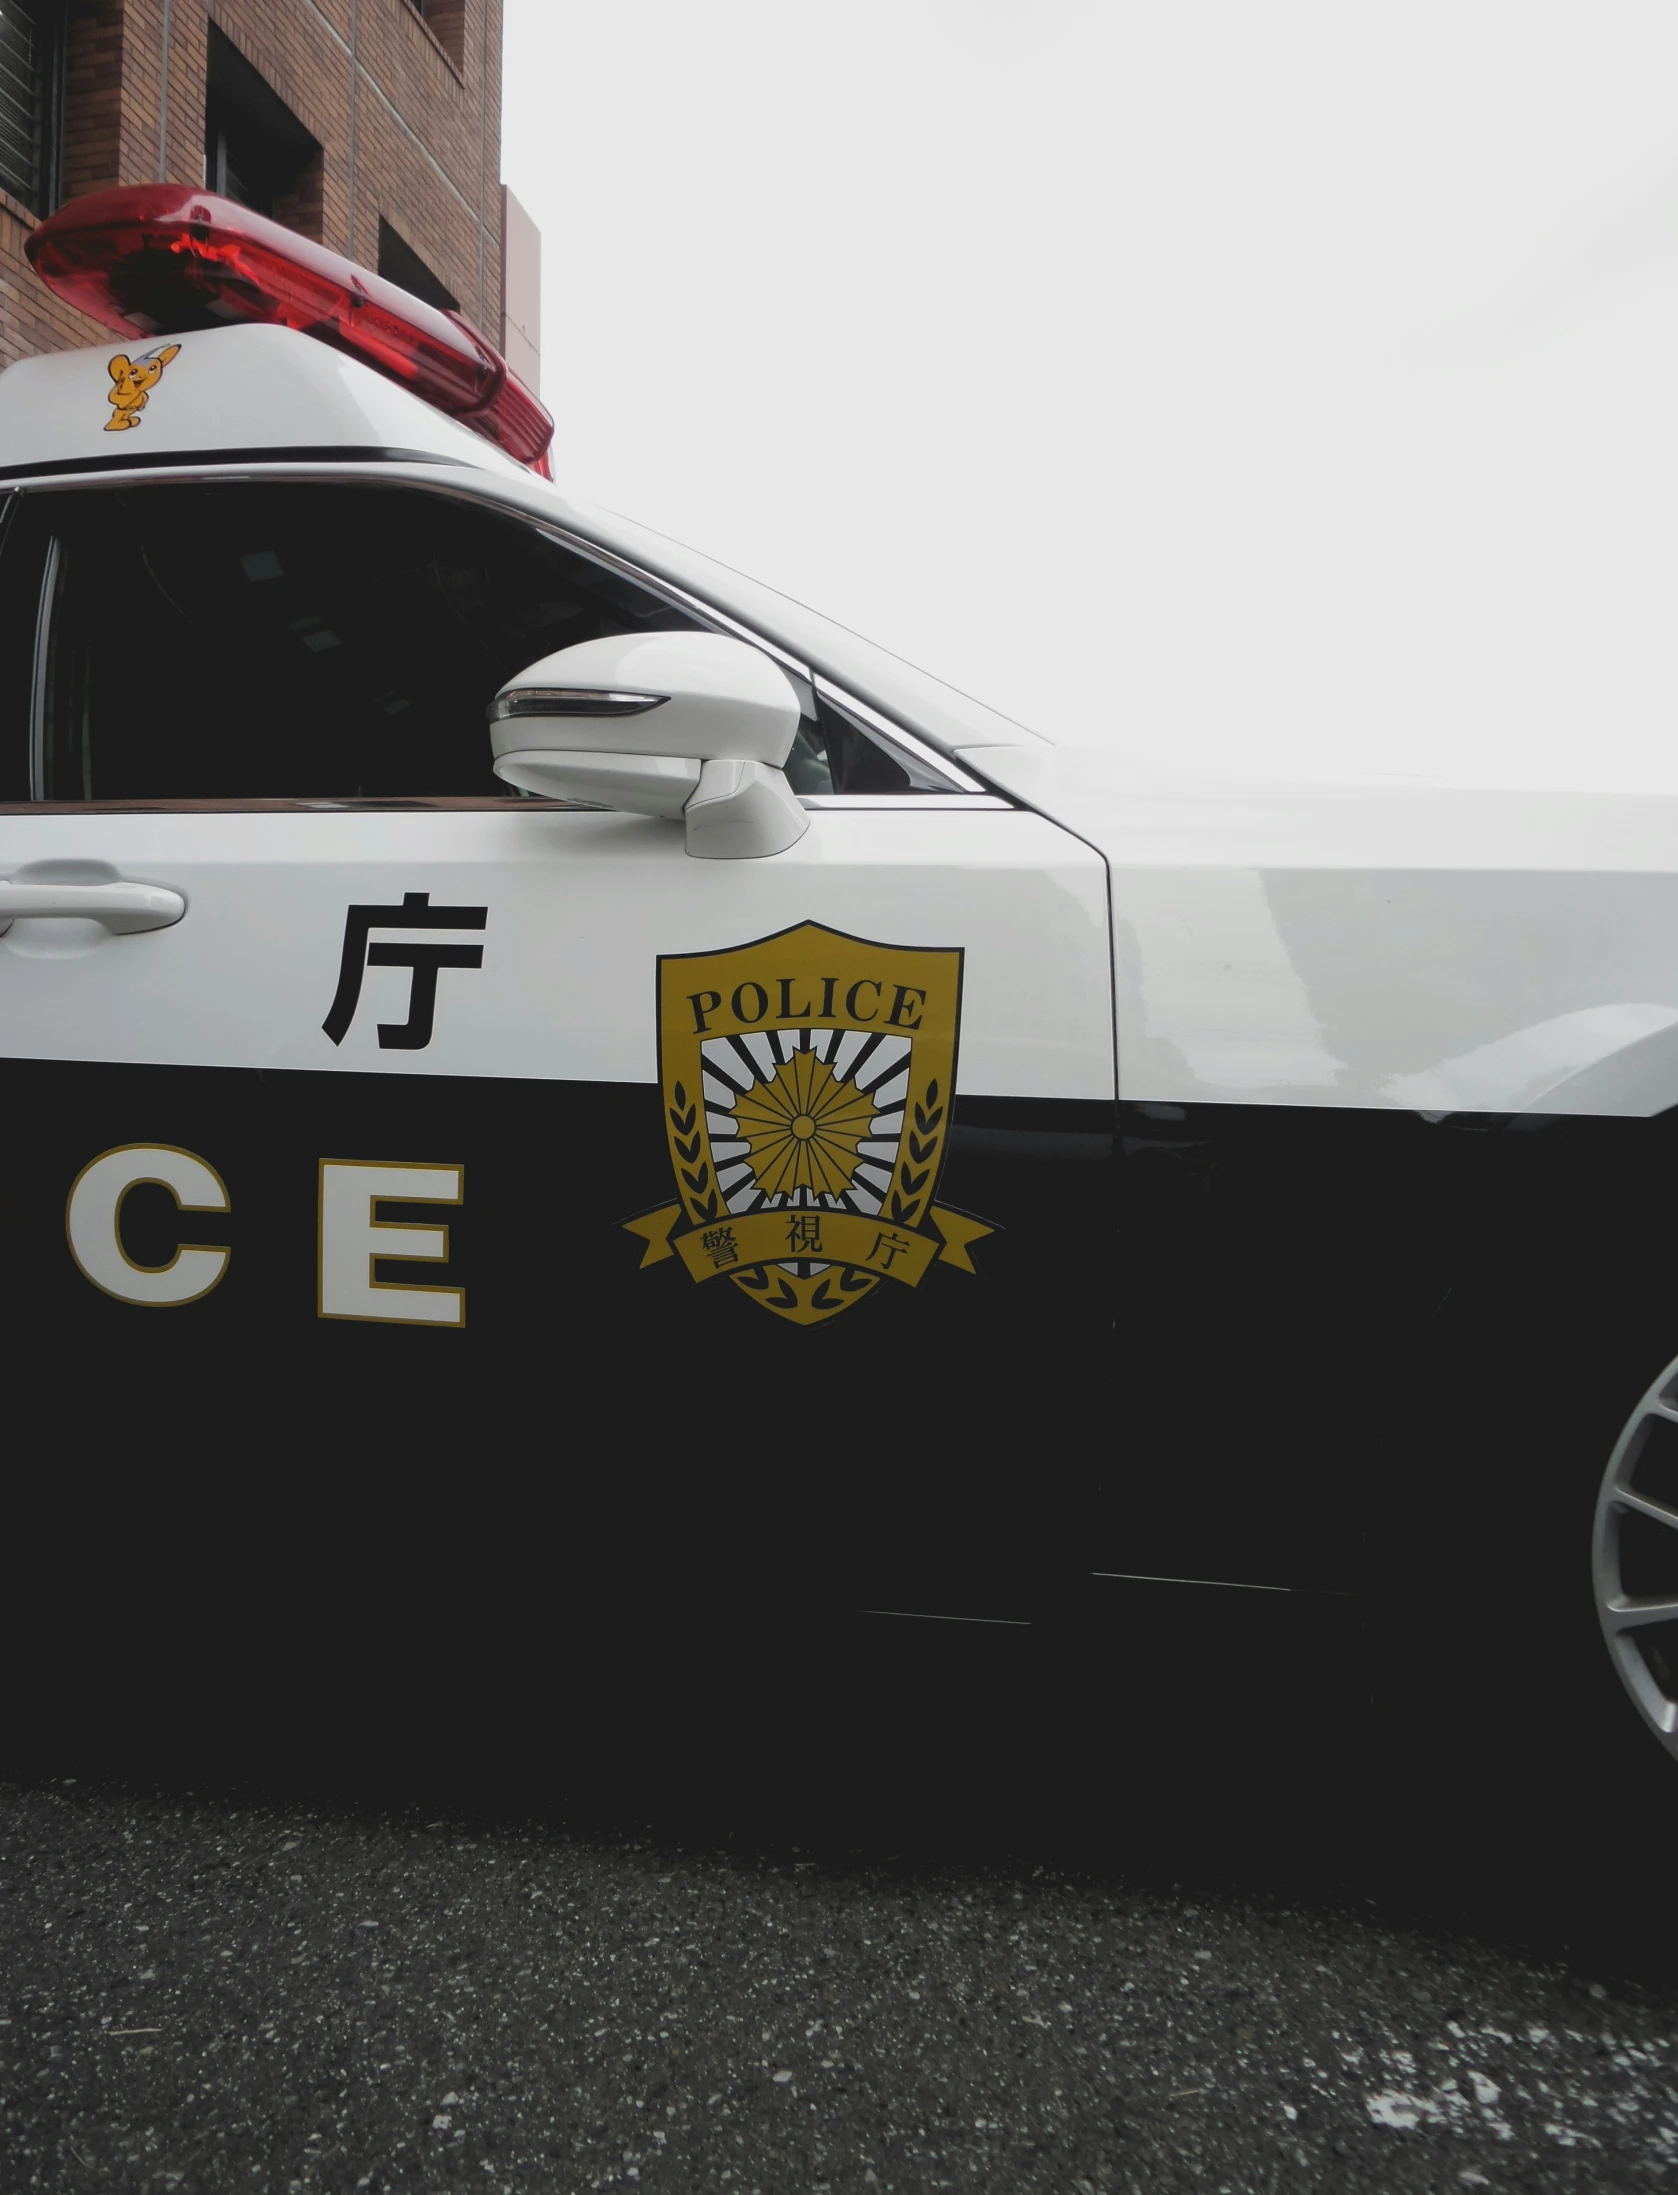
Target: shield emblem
807,1081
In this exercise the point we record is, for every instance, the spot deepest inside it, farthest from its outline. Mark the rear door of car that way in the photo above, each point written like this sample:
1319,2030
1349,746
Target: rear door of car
409,1204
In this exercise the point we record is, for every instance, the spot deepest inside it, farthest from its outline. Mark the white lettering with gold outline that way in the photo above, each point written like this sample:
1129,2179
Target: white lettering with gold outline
351,1238
93,1224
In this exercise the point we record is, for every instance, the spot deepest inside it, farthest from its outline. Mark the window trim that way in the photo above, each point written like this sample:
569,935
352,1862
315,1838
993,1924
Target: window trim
968,790
40,669
872,803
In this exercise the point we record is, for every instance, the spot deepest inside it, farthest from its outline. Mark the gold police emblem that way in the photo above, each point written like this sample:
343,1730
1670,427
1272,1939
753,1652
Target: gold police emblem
807,1083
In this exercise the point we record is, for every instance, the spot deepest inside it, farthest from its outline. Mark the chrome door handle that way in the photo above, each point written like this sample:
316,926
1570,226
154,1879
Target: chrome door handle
121,907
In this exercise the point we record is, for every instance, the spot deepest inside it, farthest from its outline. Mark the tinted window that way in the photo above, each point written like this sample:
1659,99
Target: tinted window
835,753
235,642
243,641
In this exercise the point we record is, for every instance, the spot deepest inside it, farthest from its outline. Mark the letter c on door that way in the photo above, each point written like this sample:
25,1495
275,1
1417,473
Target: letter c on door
93,1222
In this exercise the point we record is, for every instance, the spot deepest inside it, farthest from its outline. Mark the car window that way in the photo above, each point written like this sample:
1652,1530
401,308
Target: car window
284,641
835,752
214,642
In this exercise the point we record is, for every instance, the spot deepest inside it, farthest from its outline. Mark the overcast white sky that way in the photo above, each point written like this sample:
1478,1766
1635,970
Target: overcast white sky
1287,382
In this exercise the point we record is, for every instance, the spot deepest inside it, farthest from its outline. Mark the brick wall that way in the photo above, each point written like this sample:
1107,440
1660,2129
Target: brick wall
92,97
407,114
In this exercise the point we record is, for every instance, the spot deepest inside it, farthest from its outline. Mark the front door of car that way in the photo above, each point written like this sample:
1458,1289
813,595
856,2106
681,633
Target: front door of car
473,1184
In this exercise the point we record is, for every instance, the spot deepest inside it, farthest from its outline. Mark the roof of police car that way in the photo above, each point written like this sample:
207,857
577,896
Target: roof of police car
227,395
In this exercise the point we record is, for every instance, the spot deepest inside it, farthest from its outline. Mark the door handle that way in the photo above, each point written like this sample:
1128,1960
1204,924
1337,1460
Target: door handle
122,907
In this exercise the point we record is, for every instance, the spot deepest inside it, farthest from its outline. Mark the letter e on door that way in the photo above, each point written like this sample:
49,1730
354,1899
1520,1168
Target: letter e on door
351,1238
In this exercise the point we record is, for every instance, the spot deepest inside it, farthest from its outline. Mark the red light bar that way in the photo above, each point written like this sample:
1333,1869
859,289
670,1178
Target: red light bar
161,259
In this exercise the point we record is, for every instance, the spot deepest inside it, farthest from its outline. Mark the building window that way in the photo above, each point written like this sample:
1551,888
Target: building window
400,263
31,77
446,21
255,149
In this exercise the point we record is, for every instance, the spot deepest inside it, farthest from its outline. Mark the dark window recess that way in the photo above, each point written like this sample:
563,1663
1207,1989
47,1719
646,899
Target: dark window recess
255,149
835,753
31,79
446,21
252,642
400,263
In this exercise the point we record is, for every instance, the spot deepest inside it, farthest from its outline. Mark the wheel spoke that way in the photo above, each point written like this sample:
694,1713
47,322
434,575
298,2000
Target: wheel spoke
1633,1615
1656,1512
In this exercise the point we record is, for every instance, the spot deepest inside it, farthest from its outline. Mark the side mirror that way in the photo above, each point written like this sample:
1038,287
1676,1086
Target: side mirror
691,726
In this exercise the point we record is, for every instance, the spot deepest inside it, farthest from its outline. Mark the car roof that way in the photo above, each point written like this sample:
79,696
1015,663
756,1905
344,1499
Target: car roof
246,392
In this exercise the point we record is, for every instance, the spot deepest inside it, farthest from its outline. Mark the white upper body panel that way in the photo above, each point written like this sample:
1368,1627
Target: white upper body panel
1435,948
579,908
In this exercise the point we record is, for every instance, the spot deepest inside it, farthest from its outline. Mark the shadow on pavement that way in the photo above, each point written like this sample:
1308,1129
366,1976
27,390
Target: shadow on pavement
918,1748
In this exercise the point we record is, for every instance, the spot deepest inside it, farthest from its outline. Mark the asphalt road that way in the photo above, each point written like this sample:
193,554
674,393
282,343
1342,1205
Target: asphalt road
370,1987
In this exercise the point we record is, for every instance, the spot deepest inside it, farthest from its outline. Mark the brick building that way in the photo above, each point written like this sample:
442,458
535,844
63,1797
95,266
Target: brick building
371,125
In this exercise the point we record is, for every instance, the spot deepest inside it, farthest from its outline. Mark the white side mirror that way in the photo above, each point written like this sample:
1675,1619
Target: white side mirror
691,726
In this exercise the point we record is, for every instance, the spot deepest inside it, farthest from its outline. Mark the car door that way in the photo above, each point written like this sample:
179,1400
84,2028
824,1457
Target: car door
411,1179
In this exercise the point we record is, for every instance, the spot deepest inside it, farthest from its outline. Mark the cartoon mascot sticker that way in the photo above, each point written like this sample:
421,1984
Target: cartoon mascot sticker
132,381
807,1082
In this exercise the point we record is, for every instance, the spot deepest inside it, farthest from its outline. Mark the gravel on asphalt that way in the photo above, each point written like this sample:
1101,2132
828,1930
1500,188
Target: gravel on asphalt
215,1989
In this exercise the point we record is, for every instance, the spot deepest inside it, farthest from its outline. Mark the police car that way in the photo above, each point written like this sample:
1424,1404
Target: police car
527,1053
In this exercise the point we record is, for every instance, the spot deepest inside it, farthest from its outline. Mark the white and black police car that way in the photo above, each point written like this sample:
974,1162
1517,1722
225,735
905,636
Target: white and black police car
527,1052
